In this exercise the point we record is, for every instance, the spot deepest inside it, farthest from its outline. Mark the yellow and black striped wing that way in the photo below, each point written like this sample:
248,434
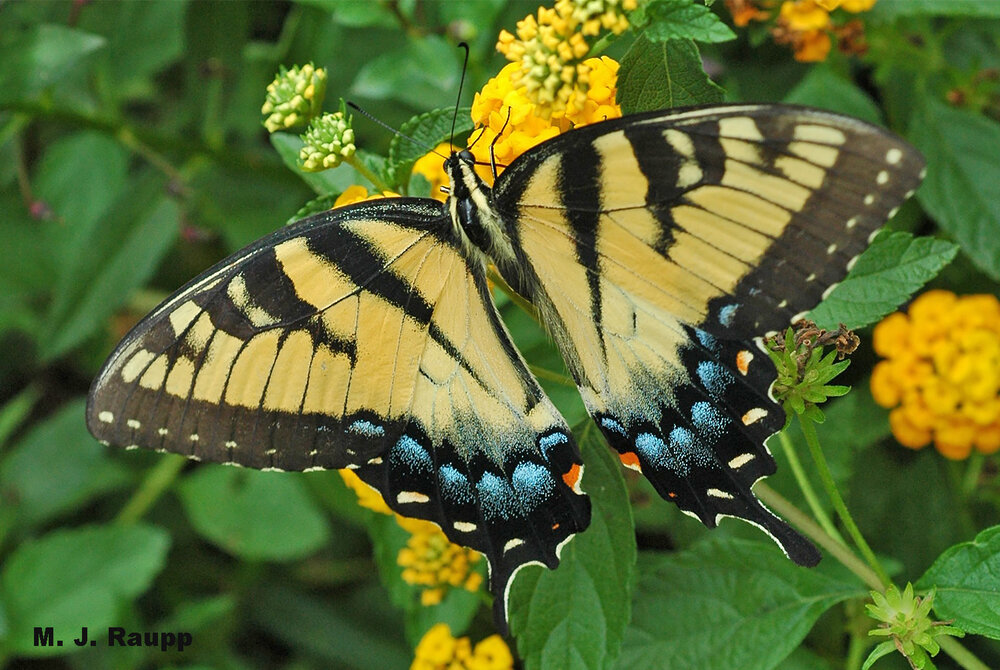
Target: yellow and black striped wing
658,246
360,338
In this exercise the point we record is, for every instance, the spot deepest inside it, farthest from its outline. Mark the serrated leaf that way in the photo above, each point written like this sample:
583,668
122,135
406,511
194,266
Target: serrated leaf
891,9
962,189
254,515
74,578
575,616
683,19
84,470
661,75
965,577
892,269
426,132
823,87
726,603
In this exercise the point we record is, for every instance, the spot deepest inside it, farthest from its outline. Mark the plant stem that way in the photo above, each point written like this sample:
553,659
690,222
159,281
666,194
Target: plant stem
823,469
365,172
813,531
855,652
152,487
960,654
807,488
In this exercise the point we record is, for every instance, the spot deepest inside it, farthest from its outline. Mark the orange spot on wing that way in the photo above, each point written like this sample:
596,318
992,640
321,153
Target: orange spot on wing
629,460
572,476
555,526
671,494
743,361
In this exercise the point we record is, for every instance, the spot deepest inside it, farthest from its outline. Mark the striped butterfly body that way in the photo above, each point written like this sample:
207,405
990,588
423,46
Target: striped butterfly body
658,248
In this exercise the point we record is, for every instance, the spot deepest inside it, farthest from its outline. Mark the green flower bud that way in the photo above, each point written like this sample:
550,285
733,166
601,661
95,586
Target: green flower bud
294,97
329,140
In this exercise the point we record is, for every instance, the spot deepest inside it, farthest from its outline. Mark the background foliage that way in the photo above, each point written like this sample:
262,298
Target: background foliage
132,157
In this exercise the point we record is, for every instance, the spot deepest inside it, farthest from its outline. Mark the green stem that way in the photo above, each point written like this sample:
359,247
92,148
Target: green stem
823,470
544,373
974,469
807,488
814,532
365,172
156,482
855,652
960,654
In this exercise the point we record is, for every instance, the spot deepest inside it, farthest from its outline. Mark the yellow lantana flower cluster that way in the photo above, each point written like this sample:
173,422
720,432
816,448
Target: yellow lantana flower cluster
429,560
438,650
806,25
551,50
941,376
503,105
431,168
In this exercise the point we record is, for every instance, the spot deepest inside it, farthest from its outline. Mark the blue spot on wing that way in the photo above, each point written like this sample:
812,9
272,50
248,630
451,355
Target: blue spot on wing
706,340
714,377
495,497
709,420
409,452
366,428
728,314
532,483
454,485
613,425
549,441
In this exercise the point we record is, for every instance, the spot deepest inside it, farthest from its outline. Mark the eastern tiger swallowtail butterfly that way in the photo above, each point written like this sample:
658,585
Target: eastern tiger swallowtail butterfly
657,248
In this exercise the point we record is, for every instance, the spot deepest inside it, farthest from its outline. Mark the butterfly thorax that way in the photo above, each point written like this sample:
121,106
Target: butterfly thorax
473,216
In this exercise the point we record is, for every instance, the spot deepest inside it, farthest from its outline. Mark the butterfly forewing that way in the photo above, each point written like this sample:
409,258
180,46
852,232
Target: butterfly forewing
658,246
360,338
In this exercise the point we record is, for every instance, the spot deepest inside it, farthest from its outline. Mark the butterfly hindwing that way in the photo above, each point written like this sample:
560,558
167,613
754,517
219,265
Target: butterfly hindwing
361,338
658,247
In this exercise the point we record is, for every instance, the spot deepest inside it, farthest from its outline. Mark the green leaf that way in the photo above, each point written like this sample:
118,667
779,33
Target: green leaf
726,603
681,19
57,467
892,9
76,577
892,269
883,649
575,616
143,38
426,132
120,256
418,71
255,515
965,577
661,75
339,634
824,88
42,56
962,189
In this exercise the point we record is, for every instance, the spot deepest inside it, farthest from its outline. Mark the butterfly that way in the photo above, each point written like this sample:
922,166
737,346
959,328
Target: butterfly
657,248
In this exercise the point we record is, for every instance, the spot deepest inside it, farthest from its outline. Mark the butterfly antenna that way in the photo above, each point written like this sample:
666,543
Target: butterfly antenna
458,100
392,130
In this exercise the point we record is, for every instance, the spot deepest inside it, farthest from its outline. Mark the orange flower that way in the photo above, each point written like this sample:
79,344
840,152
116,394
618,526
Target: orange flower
941,376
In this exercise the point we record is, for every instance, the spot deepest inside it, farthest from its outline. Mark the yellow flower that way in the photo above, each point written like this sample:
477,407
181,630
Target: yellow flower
431,167
357,193
812,46
857,6
804,15
438,650
941,376
551,48
431,561
504,106
367,496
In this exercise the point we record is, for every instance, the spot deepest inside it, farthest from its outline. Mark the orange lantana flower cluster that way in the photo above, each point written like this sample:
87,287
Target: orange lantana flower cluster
809,27
941,376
